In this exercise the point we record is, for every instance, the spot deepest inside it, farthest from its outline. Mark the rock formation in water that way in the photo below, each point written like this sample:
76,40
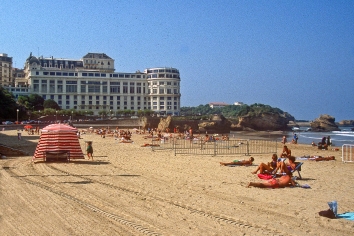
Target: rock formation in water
324,123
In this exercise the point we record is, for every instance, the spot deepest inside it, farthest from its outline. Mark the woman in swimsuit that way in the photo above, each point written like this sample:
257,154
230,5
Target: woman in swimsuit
264,168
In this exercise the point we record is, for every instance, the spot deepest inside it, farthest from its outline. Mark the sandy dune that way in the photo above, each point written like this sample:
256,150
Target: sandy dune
131,190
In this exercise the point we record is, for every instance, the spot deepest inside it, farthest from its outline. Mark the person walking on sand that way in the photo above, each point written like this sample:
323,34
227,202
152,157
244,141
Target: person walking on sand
89,150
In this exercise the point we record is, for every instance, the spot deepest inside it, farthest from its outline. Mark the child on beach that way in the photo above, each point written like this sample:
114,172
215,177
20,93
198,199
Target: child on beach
89,150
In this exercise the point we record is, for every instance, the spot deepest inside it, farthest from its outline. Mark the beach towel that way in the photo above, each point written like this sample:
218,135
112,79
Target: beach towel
347,216
265,176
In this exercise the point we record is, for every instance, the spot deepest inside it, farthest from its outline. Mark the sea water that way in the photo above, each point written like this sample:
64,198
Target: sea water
338,138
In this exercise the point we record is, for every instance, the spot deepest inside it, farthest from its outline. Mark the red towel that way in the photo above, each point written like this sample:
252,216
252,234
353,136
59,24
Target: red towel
265,176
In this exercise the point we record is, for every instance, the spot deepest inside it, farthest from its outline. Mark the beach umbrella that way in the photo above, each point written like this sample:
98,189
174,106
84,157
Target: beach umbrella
56,138
28,127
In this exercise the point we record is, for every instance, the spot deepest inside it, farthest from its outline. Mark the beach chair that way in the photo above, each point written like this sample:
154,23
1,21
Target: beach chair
298,169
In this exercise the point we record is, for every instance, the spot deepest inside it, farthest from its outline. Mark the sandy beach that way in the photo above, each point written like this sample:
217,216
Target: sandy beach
132,190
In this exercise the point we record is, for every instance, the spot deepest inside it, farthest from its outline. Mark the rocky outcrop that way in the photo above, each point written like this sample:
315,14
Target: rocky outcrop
262,122
164,123
324,123
217,124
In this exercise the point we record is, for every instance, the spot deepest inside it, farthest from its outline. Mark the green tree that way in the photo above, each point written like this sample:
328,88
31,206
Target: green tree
8,105
49,103
36,102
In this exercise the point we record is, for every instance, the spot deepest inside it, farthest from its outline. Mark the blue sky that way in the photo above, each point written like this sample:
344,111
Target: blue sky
294,55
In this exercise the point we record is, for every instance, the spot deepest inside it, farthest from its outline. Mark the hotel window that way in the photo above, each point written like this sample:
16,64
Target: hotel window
60,88
125,87
44,86
169,91
36,88
132,88
162,91
138,89
162,83
154,91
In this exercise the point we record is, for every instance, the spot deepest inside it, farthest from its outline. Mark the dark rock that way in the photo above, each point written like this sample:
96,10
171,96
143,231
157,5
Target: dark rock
324,123
262,122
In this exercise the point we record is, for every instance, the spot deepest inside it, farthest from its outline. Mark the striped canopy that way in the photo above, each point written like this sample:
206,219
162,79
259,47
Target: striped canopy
59,137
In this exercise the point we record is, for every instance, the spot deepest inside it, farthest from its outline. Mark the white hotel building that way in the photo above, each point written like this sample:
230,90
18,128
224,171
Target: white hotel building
90,84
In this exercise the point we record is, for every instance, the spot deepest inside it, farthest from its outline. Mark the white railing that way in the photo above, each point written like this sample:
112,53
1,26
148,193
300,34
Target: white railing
348,153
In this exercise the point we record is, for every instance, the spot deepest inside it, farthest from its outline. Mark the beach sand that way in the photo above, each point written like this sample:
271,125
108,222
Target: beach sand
132,190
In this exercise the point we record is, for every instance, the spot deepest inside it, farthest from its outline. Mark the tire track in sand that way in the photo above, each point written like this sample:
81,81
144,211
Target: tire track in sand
10,169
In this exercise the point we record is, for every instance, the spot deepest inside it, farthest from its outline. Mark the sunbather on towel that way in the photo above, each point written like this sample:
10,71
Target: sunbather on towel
237,162
282,182
329,158
264,168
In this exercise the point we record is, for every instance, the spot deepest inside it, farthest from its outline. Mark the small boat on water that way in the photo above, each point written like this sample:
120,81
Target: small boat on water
295,128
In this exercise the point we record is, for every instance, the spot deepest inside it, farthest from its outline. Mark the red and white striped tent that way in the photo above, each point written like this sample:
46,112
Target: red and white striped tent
59,137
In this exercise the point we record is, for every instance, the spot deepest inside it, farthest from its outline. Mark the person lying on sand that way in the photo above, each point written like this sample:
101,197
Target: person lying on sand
282,182
150,145
320,158
237,162
264,168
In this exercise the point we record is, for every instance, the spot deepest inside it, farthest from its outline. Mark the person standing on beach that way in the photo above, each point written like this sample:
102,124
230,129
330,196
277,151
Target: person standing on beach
284,140
89,150
295,138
